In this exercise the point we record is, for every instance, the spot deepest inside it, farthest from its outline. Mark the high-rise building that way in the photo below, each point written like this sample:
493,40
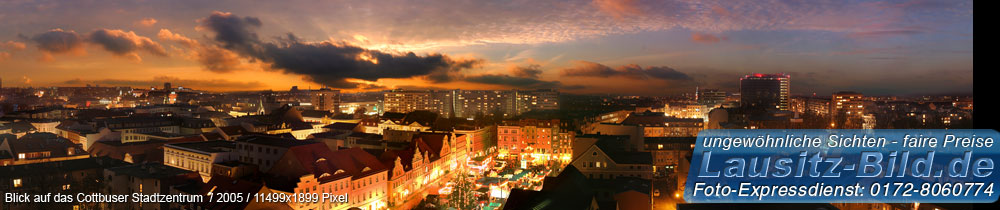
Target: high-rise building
326,99
817,106
405,101
541,99
166,86
471,103
847,110
711,97
765,91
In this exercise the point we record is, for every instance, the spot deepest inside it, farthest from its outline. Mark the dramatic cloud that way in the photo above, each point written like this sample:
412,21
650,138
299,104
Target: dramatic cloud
213,58
123,43
146,22
530,71
118,42
328,63
402,24
527,77
57,41
871,39
631,71
234,33
217,84
705,38
506,80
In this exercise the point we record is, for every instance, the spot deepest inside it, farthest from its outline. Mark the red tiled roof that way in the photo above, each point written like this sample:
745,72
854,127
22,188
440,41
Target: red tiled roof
405,156
432,142
318,159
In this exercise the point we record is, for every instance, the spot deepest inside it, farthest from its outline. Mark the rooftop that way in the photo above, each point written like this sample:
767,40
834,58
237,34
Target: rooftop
59,166
149,170
616,151
206,146
274,141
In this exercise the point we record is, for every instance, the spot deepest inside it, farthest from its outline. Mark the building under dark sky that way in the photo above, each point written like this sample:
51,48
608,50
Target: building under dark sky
765,91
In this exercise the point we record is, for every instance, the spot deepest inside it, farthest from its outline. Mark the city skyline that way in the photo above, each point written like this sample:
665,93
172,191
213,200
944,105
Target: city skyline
618,47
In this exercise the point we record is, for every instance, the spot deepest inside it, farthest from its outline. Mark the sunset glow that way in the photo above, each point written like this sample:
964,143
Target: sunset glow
878,47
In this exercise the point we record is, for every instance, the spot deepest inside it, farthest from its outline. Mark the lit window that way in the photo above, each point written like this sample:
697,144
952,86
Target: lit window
17,183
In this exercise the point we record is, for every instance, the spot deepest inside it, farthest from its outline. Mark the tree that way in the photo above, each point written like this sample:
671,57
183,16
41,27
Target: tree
463,194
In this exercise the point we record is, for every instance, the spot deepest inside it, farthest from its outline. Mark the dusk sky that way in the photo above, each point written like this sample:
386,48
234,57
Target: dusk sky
644,47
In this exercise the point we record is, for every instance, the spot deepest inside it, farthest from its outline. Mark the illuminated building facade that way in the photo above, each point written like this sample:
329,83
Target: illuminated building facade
471,103
326,99
370,107
404,101
529,137
481,140
199,156
669,152
711,98
429,158
352,172
847,110
687,110
606,157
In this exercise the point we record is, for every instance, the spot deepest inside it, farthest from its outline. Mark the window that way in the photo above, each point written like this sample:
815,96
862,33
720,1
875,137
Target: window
17,183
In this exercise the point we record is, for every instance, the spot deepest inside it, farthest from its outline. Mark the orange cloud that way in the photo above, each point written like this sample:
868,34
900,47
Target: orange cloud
706,38
211,57
12,45
180,39
147,22
618,8
127,44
